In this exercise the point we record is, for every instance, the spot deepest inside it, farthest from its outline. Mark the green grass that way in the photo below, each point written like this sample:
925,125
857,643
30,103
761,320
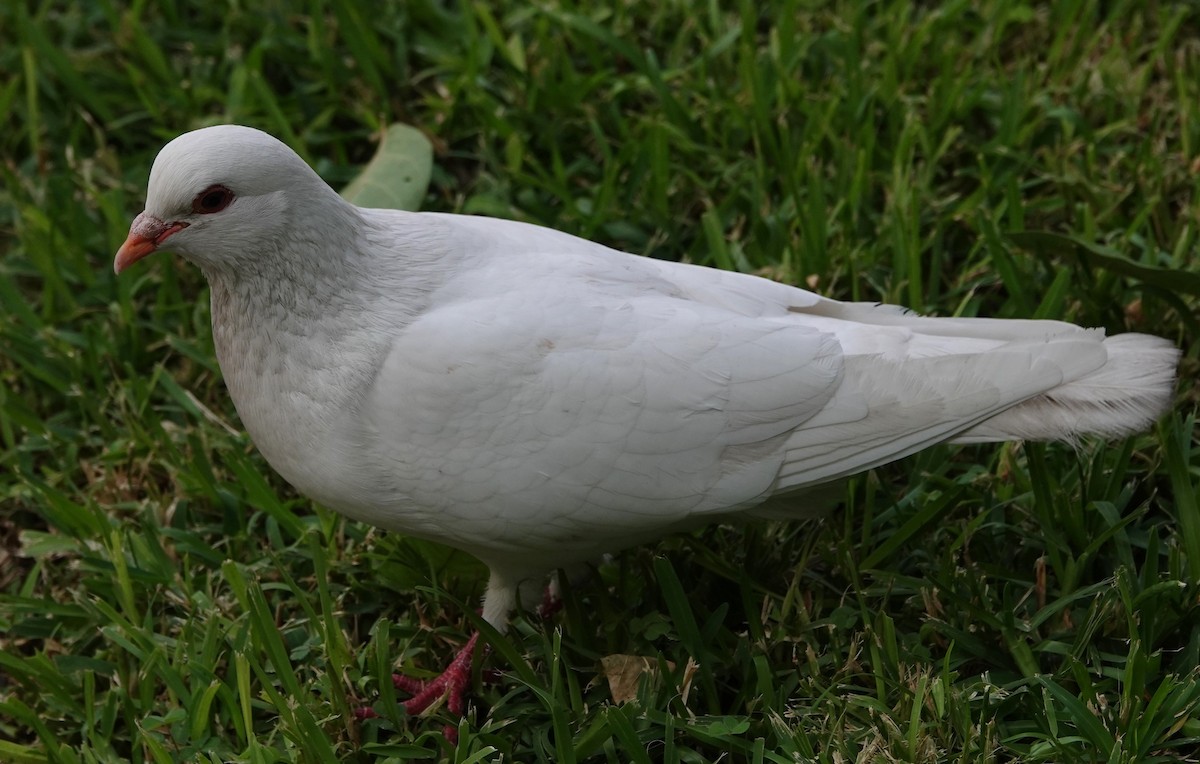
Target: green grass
165,597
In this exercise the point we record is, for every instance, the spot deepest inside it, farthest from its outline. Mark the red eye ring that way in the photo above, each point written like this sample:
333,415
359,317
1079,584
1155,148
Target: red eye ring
212,199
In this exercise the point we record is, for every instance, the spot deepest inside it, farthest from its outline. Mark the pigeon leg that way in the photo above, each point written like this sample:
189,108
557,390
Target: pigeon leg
498,602
451,685
551,602
552,595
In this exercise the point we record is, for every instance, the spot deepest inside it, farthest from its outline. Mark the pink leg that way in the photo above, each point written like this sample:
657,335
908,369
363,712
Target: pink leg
452,684
551,604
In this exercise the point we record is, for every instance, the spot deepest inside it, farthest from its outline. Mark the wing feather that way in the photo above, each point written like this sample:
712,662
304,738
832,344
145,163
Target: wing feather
605,398
626,419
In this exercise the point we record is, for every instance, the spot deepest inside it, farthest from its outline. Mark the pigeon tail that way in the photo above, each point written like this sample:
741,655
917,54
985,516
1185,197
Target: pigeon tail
1122,397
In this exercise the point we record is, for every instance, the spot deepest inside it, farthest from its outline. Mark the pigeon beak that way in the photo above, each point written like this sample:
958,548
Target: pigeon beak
145,236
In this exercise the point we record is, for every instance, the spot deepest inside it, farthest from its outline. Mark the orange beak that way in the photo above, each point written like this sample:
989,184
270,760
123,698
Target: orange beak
145,236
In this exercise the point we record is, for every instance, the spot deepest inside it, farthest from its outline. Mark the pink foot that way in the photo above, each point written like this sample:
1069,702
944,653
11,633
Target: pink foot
551,604
452,685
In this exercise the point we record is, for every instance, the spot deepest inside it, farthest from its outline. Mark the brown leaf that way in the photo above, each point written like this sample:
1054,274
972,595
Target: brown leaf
624,672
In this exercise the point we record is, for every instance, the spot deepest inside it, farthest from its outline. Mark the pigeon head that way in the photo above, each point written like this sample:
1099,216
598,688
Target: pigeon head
223,196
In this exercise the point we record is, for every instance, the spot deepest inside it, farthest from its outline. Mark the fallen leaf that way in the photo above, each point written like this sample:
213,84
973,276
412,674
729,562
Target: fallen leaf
624,673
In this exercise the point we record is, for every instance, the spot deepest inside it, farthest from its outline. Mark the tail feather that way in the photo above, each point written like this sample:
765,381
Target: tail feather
1124,396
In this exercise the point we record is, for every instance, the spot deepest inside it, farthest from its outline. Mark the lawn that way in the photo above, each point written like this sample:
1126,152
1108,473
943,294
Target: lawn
165,597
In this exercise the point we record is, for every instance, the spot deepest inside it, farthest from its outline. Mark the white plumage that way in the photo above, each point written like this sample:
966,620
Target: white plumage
537,399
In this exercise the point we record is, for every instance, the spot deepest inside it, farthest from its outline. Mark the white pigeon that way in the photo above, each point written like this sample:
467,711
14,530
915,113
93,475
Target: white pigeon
537,400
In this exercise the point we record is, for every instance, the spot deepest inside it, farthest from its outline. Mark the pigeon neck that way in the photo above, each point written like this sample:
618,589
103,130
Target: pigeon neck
312,260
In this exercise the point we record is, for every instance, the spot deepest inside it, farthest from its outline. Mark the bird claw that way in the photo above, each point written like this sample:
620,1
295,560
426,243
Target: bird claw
551,604
408,684
450,686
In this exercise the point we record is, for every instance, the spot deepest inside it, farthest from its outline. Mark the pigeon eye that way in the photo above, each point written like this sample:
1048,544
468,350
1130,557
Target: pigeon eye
212,199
